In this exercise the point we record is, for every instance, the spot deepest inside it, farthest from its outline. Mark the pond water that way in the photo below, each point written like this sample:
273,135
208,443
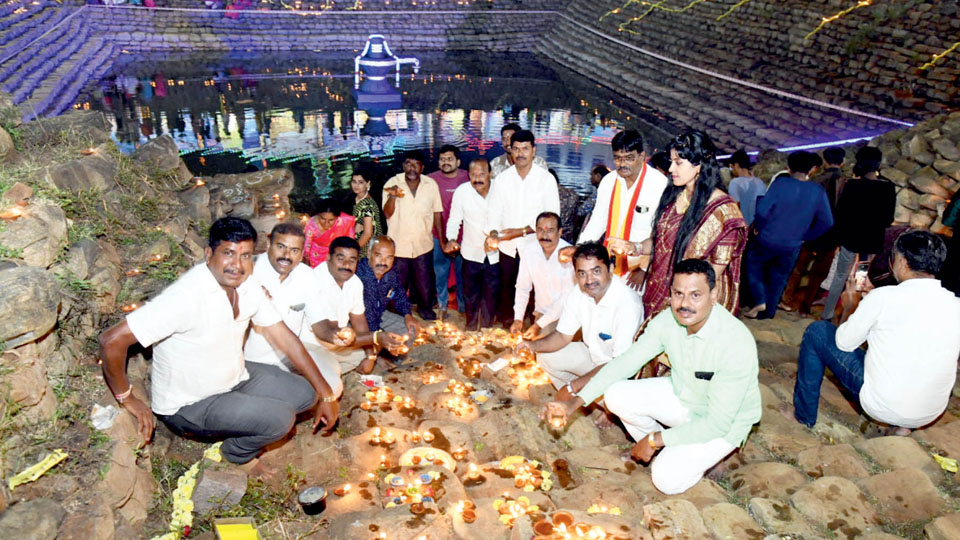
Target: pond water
235,113
241,112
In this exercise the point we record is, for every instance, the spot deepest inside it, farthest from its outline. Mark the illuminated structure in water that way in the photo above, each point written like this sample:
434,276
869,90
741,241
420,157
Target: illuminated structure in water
375,95
375,61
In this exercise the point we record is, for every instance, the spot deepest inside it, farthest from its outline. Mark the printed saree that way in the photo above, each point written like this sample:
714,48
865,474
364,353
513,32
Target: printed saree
317,245
720,239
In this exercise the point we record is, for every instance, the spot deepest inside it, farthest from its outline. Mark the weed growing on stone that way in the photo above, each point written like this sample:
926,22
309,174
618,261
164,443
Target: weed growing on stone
10,253
262,503
97,437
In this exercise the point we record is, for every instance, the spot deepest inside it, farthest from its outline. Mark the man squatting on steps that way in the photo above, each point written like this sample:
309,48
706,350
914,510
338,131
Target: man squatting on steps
200,383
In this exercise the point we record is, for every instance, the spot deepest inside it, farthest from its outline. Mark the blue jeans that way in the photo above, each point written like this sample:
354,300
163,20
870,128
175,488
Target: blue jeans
818,351
257,412
441,267
768,269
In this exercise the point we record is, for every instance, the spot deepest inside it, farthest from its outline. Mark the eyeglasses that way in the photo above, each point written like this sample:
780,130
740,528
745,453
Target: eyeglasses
625,158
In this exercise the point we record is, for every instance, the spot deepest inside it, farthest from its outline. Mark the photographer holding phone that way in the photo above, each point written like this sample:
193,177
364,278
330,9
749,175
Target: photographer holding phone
905,377
606,310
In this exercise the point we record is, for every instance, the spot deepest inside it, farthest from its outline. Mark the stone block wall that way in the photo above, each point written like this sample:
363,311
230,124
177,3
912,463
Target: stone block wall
170,30
48,52
868,60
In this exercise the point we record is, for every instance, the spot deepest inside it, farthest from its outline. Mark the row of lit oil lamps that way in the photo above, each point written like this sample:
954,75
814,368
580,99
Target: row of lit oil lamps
560,526
523,371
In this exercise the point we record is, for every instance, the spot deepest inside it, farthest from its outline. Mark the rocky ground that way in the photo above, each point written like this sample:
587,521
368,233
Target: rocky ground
88,233
842,479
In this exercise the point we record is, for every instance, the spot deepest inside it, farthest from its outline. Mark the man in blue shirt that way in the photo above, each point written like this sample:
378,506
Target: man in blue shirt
382,290
792,212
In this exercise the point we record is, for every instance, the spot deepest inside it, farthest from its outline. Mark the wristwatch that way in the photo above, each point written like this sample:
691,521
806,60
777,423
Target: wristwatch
569,388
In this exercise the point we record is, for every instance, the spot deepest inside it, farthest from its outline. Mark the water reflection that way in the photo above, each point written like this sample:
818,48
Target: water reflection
236,114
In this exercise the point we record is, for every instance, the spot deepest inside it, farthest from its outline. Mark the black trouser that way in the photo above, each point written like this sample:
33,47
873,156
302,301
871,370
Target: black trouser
417,277
509,268
253,414
481,285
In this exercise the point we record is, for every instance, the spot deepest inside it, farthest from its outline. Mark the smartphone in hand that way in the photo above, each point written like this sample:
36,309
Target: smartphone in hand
860,276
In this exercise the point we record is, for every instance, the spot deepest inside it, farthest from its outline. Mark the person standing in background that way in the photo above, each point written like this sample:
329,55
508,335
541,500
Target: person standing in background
864,211
412,205
745,188
365,211
481,271
795,210
505,160
517,196
448,178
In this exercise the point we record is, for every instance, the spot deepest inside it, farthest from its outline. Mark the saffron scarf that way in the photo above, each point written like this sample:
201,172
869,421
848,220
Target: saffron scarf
618,226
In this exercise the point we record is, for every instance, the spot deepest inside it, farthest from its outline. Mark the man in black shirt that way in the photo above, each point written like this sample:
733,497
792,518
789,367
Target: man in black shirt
864,211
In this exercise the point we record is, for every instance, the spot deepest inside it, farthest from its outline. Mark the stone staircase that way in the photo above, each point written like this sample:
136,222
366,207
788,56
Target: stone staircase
48,53
735,116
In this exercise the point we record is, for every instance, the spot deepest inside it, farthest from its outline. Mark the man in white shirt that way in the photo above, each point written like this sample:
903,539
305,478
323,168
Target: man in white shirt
542,272
413,208
906,376
481,272
290,287
517,196
337,317
200,384
627,200
505,160
603,307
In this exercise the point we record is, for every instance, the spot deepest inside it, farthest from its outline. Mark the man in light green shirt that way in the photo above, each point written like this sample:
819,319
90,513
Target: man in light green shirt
711,398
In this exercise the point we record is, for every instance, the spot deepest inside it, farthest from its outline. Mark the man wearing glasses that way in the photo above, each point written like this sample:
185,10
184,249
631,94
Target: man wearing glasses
627,200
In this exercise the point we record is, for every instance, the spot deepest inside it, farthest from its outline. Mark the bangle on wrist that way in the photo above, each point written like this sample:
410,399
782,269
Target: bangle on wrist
569,387
376,338
328,399
652,441
123,395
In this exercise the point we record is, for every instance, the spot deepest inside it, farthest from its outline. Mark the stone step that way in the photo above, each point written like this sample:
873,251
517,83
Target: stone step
60,89
23,31
43,58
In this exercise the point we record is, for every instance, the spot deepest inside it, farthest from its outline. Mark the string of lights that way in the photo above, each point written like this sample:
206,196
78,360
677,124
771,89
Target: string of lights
621,8
827,20
733,8
936,58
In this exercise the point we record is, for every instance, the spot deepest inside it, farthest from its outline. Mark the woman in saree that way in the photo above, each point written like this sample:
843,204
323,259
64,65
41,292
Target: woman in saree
365,210
322,228
695,219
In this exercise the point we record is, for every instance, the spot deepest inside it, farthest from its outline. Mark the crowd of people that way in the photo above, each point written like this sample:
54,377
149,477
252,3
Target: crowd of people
652,279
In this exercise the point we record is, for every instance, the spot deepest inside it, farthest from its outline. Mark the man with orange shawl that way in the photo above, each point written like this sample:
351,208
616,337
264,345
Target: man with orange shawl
626,201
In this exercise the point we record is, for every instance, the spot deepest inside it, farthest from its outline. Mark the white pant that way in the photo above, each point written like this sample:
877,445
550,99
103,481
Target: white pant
645,406
567,364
